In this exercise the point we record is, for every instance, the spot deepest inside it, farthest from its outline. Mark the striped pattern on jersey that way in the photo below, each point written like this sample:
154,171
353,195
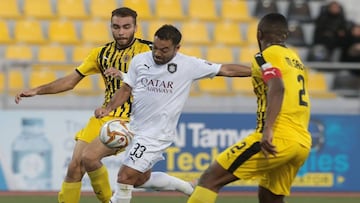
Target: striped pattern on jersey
110,56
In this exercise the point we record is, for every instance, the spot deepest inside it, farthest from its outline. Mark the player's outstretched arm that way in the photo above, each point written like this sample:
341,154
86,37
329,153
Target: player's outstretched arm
120,97
234,70
60,85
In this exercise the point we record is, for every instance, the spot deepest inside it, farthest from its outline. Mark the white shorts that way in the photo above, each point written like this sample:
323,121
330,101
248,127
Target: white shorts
144,152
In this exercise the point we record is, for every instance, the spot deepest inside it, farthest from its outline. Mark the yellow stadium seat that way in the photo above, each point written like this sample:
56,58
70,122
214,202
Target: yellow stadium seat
5,37
169,10
202,10
251,33
242,85
15,80
19,52
10,9
79,53
102,8
51,53
195,32
228,33
63,32
153,26
142,7
40,9
139,32
235,10
39,77
318,87
220,54
29,31
191,50
71,9
214,86
95,32
247,53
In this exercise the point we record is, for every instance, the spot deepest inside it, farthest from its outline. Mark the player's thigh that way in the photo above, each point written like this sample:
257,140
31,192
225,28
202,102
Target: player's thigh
244,157
289,160
97,150
92,129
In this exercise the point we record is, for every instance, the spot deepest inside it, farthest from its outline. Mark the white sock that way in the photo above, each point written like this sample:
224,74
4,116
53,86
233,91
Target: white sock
122,193
163,181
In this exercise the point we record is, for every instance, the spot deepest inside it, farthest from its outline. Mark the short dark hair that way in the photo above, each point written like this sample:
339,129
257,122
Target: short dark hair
274,23
124,12
169,32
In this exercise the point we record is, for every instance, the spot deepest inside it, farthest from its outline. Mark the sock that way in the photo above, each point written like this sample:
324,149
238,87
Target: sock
163,181
70,192
122,193
100,183
202,195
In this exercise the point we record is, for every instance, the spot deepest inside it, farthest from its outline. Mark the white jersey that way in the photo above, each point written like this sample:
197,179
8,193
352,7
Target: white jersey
160,92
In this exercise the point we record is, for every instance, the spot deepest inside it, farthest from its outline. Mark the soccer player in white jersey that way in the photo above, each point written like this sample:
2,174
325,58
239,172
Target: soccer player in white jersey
160,82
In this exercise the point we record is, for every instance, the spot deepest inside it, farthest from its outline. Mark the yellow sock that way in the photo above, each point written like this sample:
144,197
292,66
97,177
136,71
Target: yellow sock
202,195
100,183
70,192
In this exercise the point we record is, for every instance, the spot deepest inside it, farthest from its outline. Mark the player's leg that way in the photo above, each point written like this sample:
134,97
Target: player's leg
91,159
266,196
163,181
234,162
71,186
210,182
127,178
276,184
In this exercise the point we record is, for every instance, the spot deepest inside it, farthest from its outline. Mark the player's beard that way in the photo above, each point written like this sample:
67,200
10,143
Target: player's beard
124,42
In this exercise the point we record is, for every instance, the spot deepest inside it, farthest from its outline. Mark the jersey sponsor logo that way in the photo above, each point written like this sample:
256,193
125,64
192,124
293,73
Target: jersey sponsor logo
172,67
158,86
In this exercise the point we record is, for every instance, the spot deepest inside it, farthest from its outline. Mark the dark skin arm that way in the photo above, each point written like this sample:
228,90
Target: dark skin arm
275,97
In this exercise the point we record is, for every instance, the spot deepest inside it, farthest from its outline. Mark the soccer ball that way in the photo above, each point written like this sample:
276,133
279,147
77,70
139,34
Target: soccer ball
116,134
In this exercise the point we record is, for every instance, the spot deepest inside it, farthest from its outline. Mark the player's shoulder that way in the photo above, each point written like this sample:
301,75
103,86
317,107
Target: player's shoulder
144,42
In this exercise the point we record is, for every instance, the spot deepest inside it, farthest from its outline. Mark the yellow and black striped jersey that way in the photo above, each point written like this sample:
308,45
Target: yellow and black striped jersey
293,119
107,56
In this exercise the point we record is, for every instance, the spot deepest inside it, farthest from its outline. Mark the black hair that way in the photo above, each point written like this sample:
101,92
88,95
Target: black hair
274,23
169,32
124,12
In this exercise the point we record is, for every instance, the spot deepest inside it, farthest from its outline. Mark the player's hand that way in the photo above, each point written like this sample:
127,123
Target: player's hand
24,93
267,146
114,73
101,112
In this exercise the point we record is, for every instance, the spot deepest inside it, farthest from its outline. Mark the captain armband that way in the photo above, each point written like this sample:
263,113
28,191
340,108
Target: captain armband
269,72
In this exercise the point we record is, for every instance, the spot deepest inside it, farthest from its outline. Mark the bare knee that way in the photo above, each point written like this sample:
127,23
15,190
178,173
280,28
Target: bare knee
75,171
130,176
266,196
216,177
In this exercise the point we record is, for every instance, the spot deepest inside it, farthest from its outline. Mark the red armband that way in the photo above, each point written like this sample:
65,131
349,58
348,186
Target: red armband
270,73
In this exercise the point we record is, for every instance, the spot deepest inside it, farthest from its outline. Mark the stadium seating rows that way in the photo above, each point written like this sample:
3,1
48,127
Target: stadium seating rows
64,31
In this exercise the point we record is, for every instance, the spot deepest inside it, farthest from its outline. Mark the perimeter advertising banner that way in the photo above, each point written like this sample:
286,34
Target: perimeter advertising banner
38,160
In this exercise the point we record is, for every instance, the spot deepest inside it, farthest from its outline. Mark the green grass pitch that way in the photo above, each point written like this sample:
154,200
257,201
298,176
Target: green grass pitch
158,197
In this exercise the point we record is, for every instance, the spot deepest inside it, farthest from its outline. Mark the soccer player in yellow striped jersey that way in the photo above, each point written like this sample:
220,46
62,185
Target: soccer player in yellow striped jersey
281,143
109,60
